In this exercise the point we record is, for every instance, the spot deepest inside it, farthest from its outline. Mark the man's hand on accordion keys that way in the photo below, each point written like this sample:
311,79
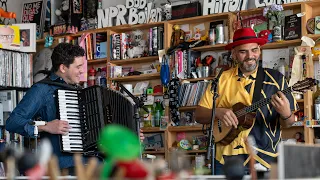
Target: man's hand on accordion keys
56,127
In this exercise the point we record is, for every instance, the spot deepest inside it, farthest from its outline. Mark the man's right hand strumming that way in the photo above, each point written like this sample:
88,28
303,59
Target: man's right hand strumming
227,117
56,127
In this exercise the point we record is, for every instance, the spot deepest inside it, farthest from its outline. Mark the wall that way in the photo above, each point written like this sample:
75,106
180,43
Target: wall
15,6
108,3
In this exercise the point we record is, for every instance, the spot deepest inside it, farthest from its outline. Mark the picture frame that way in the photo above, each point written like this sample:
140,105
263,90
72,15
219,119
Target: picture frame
27,37
34,11
9,37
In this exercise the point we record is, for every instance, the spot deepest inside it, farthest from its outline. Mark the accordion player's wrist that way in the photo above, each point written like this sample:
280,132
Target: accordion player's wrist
43,127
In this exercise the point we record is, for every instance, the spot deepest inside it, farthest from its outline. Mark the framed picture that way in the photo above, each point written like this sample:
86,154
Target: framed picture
9,37
27,37
33,11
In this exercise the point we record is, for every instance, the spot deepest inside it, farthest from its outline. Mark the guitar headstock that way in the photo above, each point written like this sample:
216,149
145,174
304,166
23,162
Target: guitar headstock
304,85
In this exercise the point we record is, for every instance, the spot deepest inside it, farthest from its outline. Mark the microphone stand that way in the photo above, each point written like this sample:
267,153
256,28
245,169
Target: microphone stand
139,103
211,140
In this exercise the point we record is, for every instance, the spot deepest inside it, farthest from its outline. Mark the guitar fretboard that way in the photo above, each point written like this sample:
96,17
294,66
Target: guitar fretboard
259,104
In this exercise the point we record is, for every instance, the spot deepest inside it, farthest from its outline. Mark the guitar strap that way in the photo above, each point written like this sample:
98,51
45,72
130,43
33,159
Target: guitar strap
258,85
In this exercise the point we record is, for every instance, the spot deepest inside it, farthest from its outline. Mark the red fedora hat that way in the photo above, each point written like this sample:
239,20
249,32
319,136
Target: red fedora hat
245,36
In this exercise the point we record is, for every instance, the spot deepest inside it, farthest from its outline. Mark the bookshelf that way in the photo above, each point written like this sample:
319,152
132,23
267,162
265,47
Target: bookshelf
147,59
141,77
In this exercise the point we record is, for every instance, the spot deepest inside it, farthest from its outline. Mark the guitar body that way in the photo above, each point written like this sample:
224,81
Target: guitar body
226,134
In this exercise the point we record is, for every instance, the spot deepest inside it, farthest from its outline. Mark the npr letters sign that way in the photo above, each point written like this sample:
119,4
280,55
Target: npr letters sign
220,6
136,11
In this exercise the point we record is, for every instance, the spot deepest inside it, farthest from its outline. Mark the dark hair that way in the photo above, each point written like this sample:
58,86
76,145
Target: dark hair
65,53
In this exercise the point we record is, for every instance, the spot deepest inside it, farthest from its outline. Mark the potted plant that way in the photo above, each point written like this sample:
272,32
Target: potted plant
276,16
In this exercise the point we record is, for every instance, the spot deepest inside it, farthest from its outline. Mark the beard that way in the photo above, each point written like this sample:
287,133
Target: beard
245,67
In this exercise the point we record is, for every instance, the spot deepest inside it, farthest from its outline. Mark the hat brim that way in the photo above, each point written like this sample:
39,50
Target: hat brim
260,41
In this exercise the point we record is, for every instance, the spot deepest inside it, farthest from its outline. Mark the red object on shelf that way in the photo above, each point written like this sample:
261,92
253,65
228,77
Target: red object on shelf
91,76
133,169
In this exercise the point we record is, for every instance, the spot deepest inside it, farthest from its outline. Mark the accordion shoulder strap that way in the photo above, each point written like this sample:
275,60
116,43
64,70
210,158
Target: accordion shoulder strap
64,85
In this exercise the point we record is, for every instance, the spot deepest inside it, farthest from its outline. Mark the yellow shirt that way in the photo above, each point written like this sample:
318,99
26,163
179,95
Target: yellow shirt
234,88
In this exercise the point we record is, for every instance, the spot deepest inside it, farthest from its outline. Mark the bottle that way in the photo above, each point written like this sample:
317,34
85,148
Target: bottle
98,75
103,79
317,108
147,117
91,77
316,94
157,113
282,66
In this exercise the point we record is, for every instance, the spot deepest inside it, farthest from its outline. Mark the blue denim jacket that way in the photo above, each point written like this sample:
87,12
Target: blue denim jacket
39,101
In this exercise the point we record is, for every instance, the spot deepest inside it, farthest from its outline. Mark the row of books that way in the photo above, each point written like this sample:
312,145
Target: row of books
95,45
15,69
190,93
186,62
136,43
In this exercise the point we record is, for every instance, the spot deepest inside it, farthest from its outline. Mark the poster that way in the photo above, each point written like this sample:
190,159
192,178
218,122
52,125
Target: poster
33,11
9,37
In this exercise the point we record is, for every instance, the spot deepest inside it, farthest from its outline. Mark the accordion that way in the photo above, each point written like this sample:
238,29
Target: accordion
87,112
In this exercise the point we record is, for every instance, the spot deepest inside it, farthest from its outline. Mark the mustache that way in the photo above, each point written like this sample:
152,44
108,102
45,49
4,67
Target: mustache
249,59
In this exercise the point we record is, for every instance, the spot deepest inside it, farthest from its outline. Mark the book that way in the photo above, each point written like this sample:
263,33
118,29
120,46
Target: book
292,27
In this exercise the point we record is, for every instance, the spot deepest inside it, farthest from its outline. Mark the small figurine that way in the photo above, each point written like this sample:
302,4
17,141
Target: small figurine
265,34
299,137
177,36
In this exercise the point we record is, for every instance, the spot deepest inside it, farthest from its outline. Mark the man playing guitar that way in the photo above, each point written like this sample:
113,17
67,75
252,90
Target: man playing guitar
237,86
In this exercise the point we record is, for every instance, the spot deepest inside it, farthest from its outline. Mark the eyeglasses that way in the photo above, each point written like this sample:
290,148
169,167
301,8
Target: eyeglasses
6,36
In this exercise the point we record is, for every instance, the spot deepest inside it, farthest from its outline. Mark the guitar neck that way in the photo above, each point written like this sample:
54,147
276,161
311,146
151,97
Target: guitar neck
255,106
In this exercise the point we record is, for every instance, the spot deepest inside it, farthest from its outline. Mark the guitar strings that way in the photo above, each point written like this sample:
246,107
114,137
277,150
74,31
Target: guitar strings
258,104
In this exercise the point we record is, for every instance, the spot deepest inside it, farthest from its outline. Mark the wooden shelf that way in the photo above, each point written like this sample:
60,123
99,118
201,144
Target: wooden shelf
154,94
192,151
209,47
200,19
151,129
128,27
154,152
195,151
300,100
197,79
184,128
40,40
314,36
187,108
78,34
141,77
14,88
97,61
281,44
135,60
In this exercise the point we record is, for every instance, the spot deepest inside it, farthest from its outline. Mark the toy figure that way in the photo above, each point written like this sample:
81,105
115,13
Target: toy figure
299,137
265,34
177,36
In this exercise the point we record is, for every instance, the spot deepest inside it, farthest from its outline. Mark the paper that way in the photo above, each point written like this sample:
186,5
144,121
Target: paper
271,57
200,27
185,27
306,41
